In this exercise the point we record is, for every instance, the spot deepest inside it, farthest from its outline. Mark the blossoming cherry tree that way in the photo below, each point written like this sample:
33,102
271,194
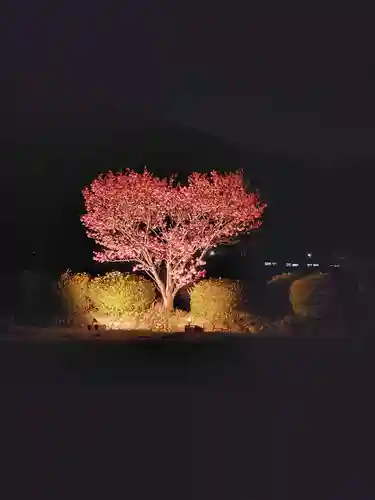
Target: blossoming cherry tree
165,228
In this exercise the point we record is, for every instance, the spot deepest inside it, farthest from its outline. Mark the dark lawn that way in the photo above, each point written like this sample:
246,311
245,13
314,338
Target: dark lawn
237,418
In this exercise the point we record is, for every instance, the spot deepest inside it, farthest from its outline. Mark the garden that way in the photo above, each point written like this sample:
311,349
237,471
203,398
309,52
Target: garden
118,305
166,230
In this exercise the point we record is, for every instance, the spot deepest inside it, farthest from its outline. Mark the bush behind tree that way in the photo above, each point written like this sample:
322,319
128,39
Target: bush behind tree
277,303
313,296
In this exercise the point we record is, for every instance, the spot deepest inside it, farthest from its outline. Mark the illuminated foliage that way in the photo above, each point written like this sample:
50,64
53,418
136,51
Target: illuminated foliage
157,319
73,289
164,228
219,303
116,294
113,295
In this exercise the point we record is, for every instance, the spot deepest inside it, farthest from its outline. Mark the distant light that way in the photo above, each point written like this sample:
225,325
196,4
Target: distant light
295,265
309,265
315,265
288,264
267,263
309,254
274,263
212,252
334,265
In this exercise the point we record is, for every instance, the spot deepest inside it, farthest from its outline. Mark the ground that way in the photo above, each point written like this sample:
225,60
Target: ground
58,334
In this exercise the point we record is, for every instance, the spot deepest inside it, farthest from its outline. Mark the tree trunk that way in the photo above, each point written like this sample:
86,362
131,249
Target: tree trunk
168,300
168,296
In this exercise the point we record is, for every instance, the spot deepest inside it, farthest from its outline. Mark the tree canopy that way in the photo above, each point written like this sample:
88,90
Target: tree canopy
165,228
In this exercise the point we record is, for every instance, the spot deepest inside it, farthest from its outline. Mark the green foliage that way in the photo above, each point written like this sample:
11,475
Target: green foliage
217,303
73,289
277,303
313,296
116,294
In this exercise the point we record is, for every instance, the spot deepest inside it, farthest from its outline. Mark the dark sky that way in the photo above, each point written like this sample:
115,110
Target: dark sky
274,77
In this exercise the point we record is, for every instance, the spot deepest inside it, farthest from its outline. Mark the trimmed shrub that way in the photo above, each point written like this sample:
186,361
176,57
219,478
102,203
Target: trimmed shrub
277,303
313,296
113,295
116,294
217,302
73,289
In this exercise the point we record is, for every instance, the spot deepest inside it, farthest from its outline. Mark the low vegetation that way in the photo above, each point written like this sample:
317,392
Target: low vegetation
73,290
313,296
110,299
292,305
276,296
117,295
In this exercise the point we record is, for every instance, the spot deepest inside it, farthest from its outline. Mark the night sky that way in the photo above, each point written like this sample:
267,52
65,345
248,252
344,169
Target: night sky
272,81
271,77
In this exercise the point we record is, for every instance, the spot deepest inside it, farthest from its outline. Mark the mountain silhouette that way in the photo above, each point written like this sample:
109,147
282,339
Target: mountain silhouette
47,163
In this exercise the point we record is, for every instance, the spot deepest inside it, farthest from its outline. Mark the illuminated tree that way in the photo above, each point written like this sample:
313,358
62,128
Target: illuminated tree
165,228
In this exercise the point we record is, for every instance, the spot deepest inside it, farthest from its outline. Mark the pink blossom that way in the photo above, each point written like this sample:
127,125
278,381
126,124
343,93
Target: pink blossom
157,224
